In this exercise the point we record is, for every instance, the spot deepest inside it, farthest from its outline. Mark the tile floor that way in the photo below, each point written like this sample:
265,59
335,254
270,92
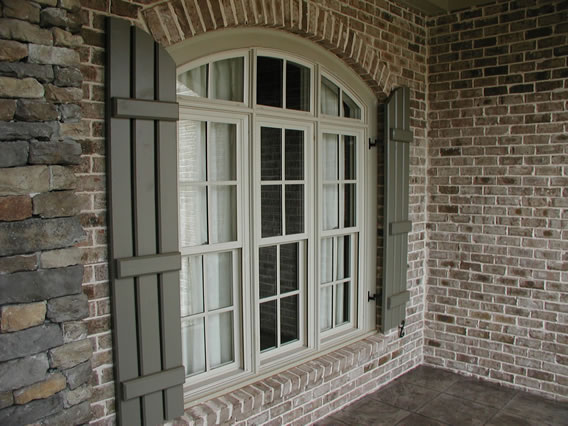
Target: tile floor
430,396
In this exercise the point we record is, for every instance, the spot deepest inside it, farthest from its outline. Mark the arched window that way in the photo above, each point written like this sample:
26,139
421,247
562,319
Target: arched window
277,204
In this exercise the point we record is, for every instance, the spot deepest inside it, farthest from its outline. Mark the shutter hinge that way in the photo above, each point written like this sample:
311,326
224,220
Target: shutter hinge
401,329
372,143
369,297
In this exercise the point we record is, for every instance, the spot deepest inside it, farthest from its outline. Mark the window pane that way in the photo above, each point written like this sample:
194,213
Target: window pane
269,81
294,209
330,156
220,339
289,267
223,214
193,82
350,157
191,285
342,303
219,273
325,308
297,87
294,154
270,153
193,215
192,150
288,319
267,271
227,79
350,108
193,345
271,210
326,260
330,207
223,152
268,325
329,97
343,257
350,205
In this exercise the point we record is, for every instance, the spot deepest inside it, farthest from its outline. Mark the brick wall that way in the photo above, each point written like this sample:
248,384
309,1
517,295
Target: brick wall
386,46
497,302
44,351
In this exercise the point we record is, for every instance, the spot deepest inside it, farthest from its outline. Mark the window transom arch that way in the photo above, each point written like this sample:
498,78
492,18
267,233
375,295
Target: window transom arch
277,195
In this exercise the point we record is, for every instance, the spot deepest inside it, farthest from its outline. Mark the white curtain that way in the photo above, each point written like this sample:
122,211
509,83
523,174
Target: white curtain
330,145
191,170
193,82
329,97
227,79
219,273
326,275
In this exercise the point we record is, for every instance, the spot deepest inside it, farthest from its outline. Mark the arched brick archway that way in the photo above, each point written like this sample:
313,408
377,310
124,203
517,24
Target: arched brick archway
173,21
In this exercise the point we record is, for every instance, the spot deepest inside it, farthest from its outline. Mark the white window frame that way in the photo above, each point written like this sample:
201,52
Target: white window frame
250,43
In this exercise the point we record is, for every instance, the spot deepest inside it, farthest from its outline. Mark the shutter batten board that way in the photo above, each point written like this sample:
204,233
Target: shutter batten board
145,109
398,137
153,383
147,265
143,240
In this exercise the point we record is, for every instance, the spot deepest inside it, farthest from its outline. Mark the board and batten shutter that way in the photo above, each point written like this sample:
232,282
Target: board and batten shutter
144,258
398,138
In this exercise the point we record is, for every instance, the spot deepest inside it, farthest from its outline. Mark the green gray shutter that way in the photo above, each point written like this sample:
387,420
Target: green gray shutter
398,137
143,235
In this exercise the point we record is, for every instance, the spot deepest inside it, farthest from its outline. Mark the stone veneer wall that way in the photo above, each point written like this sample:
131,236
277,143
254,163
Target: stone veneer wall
45,353
497,302
382,42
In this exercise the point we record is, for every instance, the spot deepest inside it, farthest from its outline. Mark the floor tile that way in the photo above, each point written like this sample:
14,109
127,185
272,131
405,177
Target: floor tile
408,396
504,419
537,408
371,412
418,420
456,411
430,377
483,392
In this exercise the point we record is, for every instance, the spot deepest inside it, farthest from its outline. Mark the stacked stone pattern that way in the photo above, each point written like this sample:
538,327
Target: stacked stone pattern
45,355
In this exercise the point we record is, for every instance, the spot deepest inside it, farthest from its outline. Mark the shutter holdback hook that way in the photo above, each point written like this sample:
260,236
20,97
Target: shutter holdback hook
401,332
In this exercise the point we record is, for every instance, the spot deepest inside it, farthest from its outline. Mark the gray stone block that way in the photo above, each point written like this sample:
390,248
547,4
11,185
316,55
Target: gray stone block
71,354
63,152
13,154
36,111
76,396
29,341
7,109
62,178
68,308
70,112
24,287
23,372
52,55
68,77
13,264
78,414
12,131
33,235
56,204
43,73
18,415
78,375
74,330
60,258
